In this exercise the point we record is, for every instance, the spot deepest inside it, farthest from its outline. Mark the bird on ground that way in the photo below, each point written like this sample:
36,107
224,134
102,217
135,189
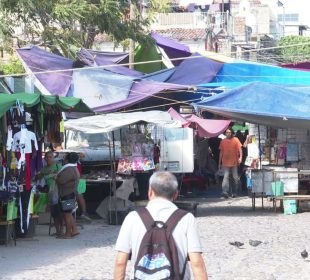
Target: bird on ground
236,244
304,254
255,243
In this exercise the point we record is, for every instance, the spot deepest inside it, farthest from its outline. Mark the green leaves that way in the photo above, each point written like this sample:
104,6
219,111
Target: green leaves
295,49
14,66
59,24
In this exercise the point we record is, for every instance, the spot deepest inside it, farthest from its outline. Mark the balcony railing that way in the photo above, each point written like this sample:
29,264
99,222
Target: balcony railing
192,20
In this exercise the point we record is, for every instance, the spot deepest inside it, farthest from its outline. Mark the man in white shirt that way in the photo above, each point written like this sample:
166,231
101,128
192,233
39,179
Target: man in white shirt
163,189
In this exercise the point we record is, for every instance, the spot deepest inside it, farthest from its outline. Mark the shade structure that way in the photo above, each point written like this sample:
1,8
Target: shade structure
205,127
263,103
65,104
113,121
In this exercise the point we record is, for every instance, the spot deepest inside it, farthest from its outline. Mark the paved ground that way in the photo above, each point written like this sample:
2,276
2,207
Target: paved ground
91,255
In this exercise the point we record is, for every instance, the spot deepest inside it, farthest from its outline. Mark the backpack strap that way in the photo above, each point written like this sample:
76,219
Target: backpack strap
146,217
173,220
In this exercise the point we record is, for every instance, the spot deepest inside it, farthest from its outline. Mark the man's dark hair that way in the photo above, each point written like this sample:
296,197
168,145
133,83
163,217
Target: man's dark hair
72,157
164,184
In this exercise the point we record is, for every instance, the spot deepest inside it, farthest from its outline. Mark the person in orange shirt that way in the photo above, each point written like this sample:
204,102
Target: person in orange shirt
229,160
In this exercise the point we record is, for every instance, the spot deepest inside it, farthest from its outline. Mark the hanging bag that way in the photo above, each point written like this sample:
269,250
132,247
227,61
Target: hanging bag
68,204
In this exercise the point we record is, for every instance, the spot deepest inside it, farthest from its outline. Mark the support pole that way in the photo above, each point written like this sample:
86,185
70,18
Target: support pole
131,42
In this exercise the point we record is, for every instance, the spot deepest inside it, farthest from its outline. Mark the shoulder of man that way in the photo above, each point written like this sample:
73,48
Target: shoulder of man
236,139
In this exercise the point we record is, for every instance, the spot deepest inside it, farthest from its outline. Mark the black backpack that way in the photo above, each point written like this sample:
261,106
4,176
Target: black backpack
158,256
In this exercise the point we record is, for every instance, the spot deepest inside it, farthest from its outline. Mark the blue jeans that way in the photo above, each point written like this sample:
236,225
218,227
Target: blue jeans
226,180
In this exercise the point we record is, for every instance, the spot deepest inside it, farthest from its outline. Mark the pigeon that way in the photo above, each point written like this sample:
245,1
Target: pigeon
237,244
304,254
254,243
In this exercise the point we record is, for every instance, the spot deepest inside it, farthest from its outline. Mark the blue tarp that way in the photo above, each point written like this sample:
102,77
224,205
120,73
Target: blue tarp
263,103
234,74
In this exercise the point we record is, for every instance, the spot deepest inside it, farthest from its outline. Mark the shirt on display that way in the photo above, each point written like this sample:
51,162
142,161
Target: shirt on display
29,136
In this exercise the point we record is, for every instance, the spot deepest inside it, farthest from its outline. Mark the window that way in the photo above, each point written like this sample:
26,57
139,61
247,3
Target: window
288,17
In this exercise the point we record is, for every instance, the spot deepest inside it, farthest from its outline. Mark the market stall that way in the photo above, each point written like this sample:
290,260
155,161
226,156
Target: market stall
281,120
142,142
28,122
131,139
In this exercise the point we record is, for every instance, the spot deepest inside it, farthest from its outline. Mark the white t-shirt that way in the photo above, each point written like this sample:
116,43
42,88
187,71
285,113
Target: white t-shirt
28,147
185,233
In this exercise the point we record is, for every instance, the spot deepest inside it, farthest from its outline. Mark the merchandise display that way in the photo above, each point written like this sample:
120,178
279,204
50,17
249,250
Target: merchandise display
28,123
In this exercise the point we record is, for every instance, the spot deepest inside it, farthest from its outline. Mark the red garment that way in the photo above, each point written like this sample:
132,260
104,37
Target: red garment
27,170
79,168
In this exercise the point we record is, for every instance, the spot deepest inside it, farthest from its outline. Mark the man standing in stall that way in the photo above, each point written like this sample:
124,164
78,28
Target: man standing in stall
230,158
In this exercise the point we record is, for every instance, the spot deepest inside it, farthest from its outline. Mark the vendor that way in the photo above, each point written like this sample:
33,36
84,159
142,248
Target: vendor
49,172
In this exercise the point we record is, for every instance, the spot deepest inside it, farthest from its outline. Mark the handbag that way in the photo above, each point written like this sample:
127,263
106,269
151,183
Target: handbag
68,204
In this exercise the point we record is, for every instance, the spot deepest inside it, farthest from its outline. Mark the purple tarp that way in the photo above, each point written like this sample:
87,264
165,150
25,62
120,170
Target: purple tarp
195,71
40,60
172,48
99,58
303,66
140,91
113,91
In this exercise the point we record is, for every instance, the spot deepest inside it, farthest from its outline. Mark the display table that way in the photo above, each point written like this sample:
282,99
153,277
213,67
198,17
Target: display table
290,197
262,179
97,190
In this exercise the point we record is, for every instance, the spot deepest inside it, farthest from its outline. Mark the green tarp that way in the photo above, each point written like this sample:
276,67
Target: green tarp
148,53
65,104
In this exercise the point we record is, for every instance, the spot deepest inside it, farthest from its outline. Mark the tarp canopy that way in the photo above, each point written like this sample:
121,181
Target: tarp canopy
173,49
114,121
263,103
146,53
303,66
234,74
66,104
107,59
205,127
101,89
144,90
192,71
35,59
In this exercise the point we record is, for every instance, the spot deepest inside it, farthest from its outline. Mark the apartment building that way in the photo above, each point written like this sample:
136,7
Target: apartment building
226,26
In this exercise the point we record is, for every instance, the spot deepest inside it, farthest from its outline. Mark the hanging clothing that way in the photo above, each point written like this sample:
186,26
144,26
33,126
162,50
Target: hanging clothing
29,136
25,172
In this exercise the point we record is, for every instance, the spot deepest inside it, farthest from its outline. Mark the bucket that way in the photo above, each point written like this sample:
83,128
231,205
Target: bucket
289,206
277,188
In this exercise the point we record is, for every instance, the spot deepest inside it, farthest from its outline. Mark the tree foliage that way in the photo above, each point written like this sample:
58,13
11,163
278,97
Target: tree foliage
59,24
295,53
13,66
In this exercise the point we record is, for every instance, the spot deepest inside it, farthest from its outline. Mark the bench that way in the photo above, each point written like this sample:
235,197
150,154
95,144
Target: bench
293,197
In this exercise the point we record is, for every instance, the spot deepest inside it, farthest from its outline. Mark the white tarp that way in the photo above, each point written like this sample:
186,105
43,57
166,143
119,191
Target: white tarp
114,121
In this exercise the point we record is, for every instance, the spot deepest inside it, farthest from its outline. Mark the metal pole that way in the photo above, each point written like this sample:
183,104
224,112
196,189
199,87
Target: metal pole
110,196
114,177
131,42
259,148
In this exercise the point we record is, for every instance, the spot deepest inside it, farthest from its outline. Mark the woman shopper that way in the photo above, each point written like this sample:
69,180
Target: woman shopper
67,180
49,172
